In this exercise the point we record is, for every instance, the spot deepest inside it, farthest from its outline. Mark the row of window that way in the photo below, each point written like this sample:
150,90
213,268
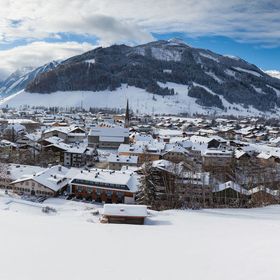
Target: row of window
91,183
98,191
26,183
37,192
22,189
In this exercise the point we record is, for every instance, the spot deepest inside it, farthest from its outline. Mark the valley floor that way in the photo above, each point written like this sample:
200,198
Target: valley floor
231,244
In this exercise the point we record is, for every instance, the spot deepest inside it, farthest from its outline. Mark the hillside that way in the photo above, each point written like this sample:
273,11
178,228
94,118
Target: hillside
211,82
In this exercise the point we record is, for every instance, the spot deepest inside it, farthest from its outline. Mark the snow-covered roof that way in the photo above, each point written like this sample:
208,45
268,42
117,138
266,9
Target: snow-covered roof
216,152
122,159
17,127
7,143
155,147
64,129
21,121
201,139
143,137
109,132
125,210
110,179
53,178
264,155
33,136
175,148
230,185
16,171
119,139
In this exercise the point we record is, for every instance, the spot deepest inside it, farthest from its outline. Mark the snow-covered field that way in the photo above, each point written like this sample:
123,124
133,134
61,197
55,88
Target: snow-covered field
231,244
139,100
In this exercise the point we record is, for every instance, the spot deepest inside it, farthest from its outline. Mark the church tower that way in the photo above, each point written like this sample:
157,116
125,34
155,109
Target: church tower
127,119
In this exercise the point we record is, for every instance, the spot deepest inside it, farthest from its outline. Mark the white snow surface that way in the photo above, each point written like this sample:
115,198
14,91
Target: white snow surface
230,72
275,89
248,71
140,101
216,78
90,61
232,56
217,244
166,54
209,56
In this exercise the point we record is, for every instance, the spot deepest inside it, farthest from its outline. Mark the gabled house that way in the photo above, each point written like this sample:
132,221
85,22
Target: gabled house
49,182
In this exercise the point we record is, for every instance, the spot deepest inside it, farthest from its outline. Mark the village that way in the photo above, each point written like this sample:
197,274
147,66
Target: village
120,158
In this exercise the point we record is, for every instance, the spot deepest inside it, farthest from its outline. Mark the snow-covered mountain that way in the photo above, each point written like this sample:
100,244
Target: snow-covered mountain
19,79
160,77
273,73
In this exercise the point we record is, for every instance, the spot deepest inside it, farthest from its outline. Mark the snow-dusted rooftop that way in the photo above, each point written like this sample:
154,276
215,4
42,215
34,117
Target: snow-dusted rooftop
107,178
125,210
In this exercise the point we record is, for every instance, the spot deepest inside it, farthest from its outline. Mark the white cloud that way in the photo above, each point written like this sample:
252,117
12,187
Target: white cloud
38,53
133,21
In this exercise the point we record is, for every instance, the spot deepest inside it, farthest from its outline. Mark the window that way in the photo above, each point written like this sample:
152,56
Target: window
89,190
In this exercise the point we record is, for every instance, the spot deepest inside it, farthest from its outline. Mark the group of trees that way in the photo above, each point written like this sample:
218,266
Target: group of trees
205,98
167,189
158,188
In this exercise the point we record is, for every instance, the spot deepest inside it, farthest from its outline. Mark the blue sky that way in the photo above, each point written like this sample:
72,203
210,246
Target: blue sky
33,32
265,57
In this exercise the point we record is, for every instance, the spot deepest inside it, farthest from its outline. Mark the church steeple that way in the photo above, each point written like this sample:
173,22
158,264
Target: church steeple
127,119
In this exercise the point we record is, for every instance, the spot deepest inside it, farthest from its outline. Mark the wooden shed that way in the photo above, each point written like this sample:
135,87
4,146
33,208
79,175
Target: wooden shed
124,214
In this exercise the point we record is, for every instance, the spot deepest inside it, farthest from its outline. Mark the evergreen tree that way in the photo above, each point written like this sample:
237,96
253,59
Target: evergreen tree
147,191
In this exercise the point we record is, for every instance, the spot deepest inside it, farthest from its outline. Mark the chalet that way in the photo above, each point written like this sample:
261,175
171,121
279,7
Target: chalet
213,158
146,151
124,214
135,137
116,162
69,134
108,137
56,146
144,128
266,158
28,124
49,182
12,172
275,142
208,142
175,153
241,156
29,140
78,156
71,155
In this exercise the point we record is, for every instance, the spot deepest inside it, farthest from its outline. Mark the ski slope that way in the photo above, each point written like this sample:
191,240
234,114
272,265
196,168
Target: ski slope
231,244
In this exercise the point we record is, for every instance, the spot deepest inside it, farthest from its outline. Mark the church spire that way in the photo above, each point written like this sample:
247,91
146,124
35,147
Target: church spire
126,122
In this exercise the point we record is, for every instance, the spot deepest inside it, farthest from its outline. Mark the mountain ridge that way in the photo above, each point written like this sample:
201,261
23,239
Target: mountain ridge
214,81
19,79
